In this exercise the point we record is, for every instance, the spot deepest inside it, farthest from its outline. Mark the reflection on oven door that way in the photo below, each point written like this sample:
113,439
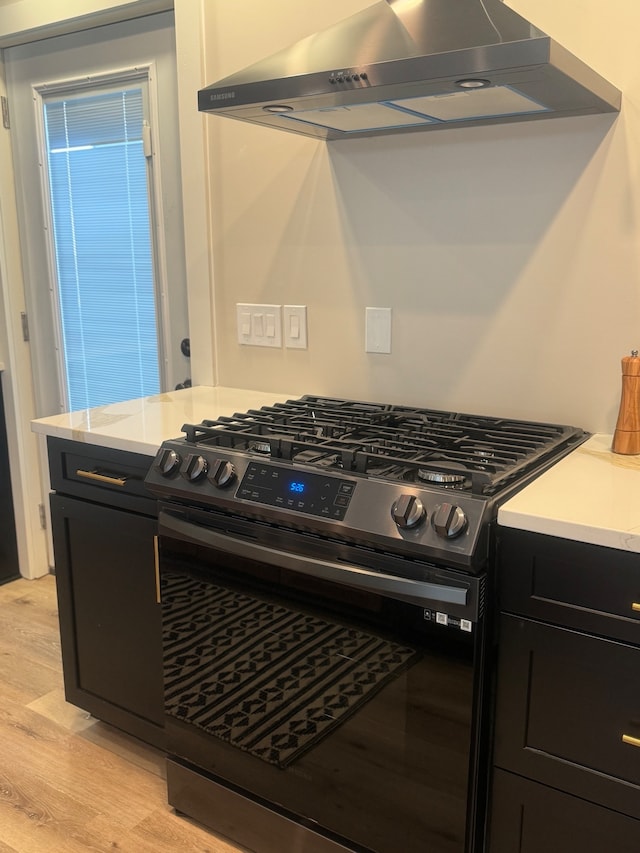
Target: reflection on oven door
278,680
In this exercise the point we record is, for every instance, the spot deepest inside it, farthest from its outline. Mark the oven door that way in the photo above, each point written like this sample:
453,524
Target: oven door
314,678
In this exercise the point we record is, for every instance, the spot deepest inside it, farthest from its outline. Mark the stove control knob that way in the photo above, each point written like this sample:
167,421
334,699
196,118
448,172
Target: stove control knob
168,462
222,474
448,520
194,468
408,511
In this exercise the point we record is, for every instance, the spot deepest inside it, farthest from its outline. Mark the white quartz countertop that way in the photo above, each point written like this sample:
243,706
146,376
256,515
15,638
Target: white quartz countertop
141,425
592,495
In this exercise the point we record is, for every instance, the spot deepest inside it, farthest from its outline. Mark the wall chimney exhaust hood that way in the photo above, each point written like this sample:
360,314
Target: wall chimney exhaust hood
407,65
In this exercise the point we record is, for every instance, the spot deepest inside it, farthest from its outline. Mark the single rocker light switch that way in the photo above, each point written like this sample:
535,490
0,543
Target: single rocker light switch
295,326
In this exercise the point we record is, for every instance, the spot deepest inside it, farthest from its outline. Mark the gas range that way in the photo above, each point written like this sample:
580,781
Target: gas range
406,480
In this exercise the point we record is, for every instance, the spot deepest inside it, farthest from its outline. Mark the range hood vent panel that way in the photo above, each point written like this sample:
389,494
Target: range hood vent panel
358,77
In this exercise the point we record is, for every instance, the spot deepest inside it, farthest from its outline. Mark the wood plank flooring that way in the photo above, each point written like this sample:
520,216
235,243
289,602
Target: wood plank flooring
69,783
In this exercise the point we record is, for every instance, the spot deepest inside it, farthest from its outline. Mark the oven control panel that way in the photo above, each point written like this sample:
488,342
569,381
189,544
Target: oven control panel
301,491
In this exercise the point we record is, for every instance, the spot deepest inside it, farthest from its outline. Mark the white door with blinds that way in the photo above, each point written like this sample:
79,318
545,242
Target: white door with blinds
97,159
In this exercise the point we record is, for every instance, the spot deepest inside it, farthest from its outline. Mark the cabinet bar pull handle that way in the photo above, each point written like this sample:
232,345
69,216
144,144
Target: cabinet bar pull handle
633,741
101,478
156,557
636,606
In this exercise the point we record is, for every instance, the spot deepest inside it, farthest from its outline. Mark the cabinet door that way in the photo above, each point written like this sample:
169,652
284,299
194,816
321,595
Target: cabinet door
531,818
110,621
568,712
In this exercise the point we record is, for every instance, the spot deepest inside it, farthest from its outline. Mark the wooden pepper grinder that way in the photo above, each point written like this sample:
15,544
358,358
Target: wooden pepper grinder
626,438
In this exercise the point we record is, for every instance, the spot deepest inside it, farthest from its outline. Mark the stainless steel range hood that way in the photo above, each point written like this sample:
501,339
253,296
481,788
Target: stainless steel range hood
407,65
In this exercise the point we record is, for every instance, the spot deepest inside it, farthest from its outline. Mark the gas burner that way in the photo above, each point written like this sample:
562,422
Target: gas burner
483,455
445,479
269,442
263,447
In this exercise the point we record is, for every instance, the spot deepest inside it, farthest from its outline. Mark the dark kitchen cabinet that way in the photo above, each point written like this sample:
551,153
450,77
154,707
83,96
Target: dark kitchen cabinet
535,818
9,568
566,763
104,536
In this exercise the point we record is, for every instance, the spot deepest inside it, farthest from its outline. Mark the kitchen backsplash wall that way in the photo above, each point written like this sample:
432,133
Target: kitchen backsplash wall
509,255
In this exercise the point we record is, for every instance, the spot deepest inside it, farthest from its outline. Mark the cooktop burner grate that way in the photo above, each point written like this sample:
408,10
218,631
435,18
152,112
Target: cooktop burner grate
444,449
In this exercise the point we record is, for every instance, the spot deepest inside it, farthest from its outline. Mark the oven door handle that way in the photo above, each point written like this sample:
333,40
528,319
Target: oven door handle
403,589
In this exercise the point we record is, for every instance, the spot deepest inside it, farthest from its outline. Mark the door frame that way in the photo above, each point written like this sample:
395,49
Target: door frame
33,72
17,378
30,479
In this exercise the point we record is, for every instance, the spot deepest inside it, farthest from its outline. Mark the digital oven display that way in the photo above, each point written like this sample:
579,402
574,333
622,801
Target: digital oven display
313,494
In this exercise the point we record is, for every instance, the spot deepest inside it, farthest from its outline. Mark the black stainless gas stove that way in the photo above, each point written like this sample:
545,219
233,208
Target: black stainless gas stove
411,480
326,583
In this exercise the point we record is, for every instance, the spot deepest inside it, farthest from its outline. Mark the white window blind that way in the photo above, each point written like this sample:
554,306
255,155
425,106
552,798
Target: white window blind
103,250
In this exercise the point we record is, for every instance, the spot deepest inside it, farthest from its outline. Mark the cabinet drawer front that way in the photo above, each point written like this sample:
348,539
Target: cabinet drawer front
100,474
581,586
568,711
530,818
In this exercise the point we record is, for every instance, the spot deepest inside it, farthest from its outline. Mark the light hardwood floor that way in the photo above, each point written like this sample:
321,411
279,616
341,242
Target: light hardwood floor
67,781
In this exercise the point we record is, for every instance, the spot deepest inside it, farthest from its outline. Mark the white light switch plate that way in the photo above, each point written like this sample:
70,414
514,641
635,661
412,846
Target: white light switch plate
377,330
294,321
259,325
